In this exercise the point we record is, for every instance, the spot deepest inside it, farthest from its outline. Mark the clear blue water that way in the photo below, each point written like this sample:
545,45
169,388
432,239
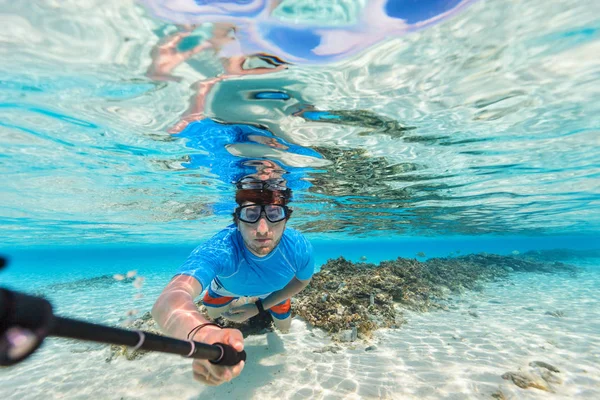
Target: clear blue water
442,127
482,123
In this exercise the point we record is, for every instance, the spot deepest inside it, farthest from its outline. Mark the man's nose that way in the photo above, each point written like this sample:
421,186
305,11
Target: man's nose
262,227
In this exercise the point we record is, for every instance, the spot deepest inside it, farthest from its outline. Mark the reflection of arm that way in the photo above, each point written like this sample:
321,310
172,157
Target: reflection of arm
175,311
294,287
195,111
166,57
235,66
273,5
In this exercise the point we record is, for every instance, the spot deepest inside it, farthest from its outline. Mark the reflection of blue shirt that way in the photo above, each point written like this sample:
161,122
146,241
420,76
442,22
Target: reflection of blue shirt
225,258
213,137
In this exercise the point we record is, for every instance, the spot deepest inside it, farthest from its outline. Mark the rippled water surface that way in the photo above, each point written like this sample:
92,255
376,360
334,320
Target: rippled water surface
122,122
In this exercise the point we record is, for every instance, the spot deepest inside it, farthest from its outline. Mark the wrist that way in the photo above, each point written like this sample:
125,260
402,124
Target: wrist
259,305
201,335
201,330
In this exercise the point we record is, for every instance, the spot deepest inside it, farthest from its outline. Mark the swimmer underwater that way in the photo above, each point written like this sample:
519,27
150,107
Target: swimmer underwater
255,264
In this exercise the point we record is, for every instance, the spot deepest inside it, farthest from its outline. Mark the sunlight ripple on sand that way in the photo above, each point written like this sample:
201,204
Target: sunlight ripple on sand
443,354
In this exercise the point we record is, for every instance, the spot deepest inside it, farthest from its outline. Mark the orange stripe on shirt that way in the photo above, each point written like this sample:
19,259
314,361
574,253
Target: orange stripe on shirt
282,308
216,301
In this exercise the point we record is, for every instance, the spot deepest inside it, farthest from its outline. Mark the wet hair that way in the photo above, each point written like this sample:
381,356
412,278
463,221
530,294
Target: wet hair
263,197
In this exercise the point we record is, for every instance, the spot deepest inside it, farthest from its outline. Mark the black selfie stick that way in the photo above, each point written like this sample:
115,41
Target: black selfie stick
25,321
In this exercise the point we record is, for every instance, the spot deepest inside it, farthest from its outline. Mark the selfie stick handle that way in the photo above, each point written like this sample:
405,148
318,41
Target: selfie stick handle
35,313
219,353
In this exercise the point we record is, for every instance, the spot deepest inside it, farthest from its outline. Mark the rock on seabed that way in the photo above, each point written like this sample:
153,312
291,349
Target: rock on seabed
344,295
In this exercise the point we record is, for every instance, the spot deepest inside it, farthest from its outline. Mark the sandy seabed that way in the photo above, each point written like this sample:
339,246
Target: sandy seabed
456,354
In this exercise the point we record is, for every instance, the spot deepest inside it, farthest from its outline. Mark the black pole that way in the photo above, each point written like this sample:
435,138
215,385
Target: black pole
18,310
75,329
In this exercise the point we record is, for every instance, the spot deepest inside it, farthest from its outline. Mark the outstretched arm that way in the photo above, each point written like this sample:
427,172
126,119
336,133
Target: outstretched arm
177,314
175,311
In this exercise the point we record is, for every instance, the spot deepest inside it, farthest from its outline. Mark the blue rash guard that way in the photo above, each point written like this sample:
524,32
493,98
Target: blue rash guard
234,271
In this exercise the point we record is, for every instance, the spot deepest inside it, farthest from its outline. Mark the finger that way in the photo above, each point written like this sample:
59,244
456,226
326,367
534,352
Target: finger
206,379
200,372
237,369
234,318
199,367
232,313
219,374
210,374
173,40
197,49
234,338
200,377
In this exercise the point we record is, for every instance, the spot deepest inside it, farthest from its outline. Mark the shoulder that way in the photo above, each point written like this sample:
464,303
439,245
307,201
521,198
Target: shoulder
222,241
293,234
300,251
226,234
297,240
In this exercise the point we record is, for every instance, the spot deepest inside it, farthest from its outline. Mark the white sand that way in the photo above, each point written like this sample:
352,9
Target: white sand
436,355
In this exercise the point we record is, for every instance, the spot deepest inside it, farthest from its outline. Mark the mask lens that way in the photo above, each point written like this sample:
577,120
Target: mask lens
274,213
250,214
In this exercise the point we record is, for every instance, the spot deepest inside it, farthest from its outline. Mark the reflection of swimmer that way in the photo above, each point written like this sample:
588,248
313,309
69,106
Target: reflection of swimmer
166,57
239,57
270,170
214,137
268,141
271,180
247,171
260,26
254,265
234,66
289,159
279,103
227,157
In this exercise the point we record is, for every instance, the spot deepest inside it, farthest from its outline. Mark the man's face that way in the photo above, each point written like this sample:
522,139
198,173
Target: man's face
262,236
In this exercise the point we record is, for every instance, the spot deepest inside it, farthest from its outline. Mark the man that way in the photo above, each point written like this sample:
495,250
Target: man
256,259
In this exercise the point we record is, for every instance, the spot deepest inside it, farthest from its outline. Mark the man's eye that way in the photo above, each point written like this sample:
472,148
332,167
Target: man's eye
274,212
252,212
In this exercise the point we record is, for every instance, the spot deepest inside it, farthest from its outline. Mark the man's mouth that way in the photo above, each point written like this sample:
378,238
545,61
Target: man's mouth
263,240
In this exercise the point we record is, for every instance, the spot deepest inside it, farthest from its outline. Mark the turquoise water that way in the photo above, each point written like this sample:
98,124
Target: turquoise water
436,127
483,123
434,355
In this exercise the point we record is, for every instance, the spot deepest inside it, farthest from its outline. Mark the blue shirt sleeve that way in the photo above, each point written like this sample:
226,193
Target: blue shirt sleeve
215,257
306,260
